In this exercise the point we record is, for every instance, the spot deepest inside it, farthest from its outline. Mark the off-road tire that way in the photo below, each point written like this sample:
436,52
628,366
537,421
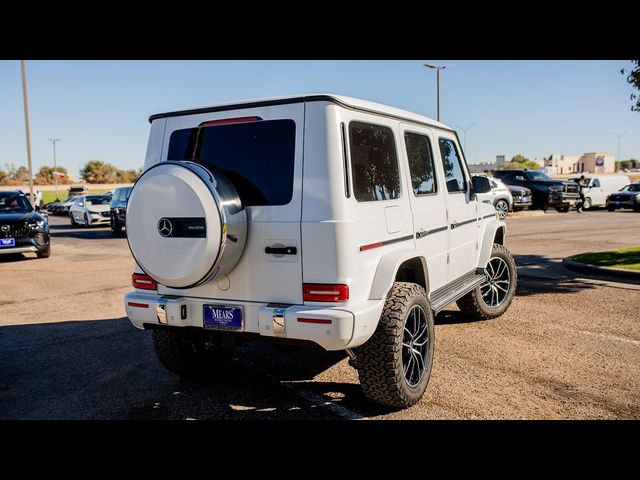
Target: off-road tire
379,360
187,356
473,305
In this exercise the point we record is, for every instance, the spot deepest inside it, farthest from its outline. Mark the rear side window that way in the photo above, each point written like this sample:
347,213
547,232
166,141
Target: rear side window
258,157
420,163
453,173
374,162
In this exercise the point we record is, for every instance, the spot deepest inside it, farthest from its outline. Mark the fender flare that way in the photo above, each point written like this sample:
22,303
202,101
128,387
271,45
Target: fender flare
490,230
387,269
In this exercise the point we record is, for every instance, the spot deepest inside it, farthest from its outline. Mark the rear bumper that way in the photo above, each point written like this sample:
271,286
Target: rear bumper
337,328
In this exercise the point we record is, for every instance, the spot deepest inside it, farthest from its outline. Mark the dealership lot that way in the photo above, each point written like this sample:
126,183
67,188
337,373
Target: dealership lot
569,347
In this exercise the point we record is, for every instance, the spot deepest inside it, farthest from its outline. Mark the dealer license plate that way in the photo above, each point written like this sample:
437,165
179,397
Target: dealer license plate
7,242
224,317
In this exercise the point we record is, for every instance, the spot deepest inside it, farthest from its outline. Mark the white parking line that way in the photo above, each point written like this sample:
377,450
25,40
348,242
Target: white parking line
610,337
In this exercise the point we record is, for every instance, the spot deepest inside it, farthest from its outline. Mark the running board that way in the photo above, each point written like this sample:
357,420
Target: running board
451,292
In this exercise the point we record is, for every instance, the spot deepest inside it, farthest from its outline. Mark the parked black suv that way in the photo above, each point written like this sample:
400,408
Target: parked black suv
119,208
546,191
22,229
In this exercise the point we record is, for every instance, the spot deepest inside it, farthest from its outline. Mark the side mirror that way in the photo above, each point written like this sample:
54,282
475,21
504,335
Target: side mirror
480,185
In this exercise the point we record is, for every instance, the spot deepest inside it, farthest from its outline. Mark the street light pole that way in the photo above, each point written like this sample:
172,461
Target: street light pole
26,126
55,168
464,137
619,136
437,68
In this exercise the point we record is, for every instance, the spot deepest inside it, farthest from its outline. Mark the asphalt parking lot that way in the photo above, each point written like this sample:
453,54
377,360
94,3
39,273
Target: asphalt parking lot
569,346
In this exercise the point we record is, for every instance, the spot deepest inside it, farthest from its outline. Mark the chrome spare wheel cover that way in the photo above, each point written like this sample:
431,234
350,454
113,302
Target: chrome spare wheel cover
415,345
496,289
185,225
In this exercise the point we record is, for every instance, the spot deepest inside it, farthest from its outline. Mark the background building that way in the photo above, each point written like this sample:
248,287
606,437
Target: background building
595,162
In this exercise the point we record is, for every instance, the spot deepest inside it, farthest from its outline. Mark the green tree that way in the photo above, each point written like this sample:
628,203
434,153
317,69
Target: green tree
633,78
528,164
519,159
97,171
45,175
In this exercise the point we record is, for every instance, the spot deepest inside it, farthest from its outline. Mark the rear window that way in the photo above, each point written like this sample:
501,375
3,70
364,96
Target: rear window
258,157
374,162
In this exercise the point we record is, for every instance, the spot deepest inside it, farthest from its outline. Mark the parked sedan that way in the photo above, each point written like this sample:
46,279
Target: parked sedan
64,206
22,229
521,197
499,196
627,197
90,210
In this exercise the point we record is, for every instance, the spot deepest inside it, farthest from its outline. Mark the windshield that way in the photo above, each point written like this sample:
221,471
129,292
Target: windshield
537,176
634,187
102,200
11,202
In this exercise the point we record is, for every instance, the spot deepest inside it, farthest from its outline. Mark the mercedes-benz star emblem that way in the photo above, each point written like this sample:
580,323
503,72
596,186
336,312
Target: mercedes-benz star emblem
165,228
5,228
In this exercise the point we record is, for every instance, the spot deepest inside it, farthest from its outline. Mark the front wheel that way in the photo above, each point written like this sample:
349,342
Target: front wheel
502,207
46,253
492,298
611,208
86,221
562,209
73,220
586,205
394,365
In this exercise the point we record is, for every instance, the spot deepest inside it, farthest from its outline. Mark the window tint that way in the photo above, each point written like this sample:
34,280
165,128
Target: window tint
453,173
374,162
258,157
420,163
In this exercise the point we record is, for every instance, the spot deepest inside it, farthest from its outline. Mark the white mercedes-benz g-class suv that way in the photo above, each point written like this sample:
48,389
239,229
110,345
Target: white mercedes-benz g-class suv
316,219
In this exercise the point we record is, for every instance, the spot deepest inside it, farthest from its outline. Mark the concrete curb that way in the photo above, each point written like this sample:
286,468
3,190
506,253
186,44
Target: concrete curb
598,270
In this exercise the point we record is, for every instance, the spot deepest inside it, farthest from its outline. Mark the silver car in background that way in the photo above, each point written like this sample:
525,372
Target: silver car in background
499,196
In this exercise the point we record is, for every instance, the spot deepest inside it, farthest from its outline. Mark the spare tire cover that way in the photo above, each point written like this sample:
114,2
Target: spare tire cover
185,225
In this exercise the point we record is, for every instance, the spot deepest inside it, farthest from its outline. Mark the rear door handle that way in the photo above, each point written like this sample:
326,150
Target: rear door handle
281,250
454,225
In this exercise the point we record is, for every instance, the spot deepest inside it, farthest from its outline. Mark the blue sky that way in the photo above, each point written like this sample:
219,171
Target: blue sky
100,108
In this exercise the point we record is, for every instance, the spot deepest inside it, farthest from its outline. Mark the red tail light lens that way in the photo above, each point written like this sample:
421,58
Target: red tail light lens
226,121
144,282
322,292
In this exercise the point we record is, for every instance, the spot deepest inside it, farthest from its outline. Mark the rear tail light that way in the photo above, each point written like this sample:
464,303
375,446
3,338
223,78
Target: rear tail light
322,292
144,282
